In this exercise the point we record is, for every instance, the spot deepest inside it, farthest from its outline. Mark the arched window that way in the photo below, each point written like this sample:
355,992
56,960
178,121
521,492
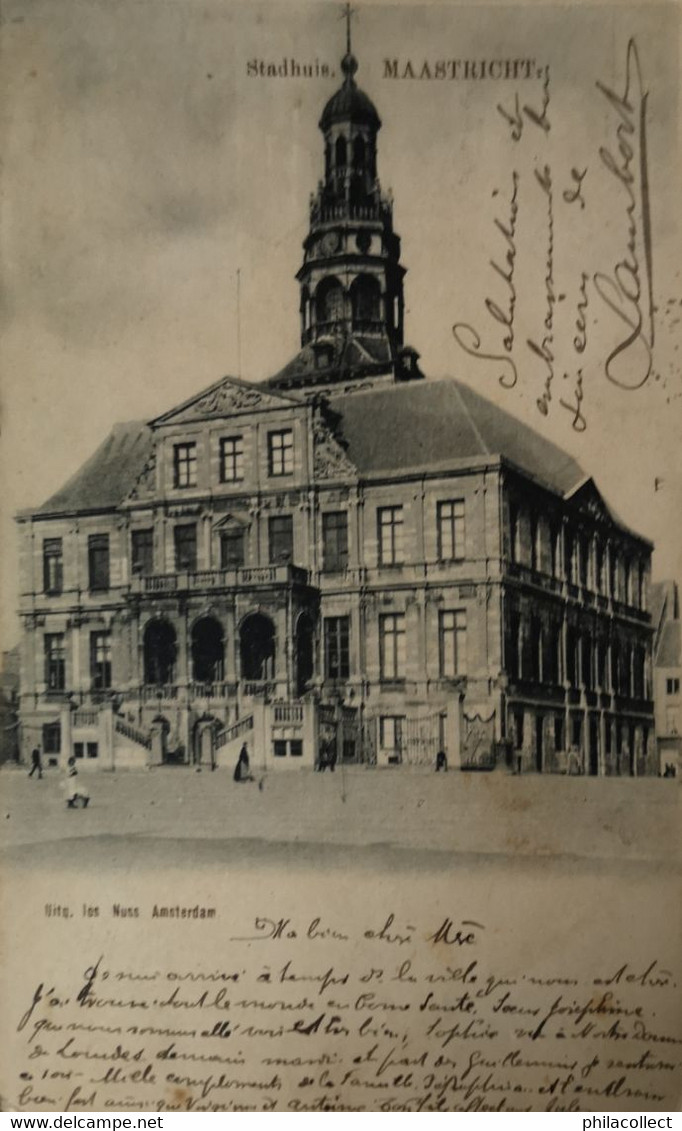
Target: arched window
257,647
365,301
159,650
329,301
359,152
305,652
305,308
207,651
341,152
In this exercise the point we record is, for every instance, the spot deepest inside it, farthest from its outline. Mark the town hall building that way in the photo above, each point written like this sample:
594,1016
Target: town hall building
349,561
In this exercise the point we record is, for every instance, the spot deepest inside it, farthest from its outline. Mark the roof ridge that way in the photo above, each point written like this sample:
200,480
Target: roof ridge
472,422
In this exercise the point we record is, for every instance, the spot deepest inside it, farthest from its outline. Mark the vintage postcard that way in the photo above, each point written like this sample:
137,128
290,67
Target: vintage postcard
341,547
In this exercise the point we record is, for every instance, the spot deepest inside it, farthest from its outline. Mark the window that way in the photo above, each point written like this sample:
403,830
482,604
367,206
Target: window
53,566
537,638
390,524
100,660
281,538
558,732
517,727
672,686
81,749
671,726
231,459
452,638
514,533
555,550
336,651
52,738
577,731
391,736
55,662
450,518
583,550
599,578
392,645
293,747
232,549
281,452
572,657
185,465
142,552
514,642
98,562
569,557
335,541
185,538
534,542
586,662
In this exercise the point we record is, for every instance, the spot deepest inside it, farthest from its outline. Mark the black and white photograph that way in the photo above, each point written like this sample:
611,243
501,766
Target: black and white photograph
341,732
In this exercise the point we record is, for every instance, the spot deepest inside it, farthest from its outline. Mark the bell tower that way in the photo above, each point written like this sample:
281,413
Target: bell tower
351,279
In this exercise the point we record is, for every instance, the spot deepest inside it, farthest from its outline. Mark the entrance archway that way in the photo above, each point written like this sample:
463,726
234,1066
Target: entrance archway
204,748
160,651
208,651
257,647
305,653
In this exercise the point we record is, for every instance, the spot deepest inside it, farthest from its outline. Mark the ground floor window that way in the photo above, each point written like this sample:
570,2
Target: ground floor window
85,750
336,651
52,738
577,732
391,736
293,747
517,729
558,732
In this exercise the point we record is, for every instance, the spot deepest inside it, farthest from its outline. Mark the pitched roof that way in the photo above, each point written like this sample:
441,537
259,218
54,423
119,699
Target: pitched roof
105,479
669,652
427,423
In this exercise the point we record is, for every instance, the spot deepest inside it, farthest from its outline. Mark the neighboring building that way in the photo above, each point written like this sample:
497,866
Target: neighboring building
665,612
385,574
9,705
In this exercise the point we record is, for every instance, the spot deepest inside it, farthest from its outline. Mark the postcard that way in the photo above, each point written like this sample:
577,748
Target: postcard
341,715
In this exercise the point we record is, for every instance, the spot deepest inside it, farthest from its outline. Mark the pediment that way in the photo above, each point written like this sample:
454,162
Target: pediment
234,520
228,397
587,497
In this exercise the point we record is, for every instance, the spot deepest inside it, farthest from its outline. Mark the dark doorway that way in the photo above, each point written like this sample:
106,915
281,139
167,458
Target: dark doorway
160,650
594,745
305,653
207,651
257,647
539,750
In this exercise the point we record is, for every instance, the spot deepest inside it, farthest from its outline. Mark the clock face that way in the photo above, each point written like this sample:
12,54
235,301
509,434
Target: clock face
330,243
364,241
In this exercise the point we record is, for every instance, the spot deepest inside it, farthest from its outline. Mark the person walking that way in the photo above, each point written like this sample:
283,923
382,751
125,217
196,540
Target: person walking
36,763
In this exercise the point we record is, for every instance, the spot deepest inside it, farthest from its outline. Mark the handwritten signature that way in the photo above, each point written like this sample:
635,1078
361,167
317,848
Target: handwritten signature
628,290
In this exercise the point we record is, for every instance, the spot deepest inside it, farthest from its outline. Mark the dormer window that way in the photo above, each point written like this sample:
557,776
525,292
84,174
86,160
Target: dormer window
323,357
185,465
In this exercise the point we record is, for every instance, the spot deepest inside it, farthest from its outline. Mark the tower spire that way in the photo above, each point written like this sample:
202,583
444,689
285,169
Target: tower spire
347,13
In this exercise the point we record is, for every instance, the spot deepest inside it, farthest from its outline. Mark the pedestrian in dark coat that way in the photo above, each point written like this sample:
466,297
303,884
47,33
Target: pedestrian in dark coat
36,763
241,770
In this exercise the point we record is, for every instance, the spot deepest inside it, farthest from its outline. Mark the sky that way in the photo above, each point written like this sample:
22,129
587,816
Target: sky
144,168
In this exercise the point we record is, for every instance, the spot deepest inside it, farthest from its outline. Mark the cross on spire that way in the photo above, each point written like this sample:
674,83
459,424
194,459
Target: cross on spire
347,13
